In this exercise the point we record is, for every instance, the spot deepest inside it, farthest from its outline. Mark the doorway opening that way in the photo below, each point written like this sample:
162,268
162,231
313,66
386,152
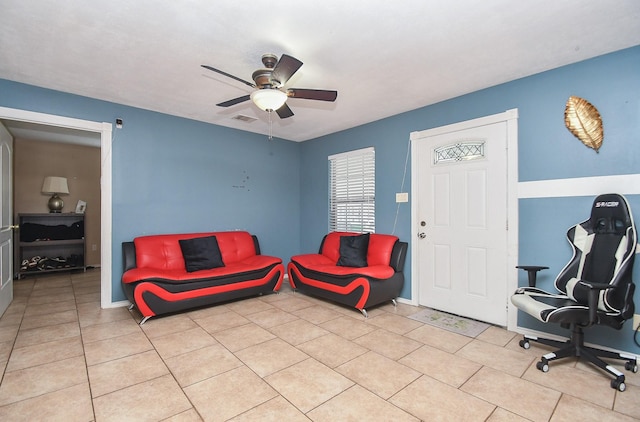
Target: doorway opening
75,128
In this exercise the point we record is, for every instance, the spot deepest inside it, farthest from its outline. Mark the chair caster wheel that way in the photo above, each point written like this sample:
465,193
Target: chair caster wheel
524,344
618,384
543,365
631,366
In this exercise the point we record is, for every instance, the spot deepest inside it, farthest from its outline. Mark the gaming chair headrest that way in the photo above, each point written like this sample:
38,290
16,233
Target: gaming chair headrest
610,215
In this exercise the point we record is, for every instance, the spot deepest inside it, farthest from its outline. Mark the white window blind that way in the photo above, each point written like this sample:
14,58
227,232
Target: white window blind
352,191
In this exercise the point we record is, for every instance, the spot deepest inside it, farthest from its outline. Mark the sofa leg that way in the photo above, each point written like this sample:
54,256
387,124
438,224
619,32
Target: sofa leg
144,320
133,305
395,304
364,312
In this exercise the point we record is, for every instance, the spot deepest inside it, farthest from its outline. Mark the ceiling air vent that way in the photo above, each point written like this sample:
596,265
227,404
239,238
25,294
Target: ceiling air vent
244,118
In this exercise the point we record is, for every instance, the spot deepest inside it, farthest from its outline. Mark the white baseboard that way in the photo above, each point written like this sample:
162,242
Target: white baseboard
117,304
406,301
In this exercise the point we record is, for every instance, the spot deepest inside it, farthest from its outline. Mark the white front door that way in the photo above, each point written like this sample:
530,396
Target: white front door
6,219
460,187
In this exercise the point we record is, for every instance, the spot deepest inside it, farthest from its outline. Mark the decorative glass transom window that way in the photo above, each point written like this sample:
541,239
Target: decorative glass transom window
352,191
461,150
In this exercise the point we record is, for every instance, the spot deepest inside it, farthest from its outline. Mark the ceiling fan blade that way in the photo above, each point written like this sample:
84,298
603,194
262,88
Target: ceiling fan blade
235,101
228,75
285,68
284,111
312,94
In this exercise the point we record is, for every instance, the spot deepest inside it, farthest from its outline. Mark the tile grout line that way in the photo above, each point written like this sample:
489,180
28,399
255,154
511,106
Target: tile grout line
84,355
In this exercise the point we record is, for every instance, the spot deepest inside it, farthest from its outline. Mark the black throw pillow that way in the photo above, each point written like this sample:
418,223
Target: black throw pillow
201,253
353,251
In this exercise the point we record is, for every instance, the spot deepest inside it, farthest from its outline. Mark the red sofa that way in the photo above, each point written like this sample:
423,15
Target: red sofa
174,272
377,279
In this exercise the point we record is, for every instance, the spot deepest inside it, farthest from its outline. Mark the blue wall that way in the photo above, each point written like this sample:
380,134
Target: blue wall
546,151
174,174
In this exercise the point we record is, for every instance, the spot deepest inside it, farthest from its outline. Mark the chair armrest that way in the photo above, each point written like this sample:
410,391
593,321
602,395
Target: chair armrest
629,307
594,289
533,272
594,292
596,286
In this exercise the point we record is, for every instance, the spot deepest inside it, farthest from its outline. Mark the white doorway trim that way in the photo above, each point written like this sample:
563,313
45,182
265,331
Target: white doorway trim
511,118
105,131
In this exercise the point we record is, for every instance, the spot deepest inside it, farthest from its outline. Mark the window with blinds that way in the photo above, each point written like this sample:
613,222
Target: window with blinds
352,191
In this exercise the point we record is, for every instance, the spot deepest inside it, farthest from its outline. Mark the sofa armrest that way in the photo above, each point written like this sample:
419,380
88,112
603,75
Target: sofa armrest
256,243
398,256
128,256
322,244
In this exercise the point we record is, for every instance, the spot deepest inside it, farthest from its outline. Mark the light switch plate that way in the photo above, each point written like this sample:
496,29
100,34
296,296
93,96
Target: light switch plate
402,197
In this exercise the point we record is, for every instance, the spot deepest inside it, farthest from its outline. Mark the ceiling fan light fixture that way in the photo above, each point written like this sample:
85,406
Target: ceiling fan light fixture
268,99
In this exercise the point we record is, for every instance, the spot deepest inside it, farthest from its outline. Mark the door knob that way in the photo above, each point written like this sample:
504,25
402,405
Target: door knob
422,235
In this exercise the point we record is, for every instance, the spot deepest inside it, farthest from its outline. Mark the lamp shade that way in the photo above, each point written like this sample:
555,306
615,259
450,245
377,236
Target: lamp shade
268,98
54,184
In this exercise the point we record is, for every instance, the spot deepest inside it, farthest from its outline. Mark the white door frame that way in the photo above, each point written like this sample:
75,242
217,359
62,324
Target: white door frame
511,118
6,220
105,131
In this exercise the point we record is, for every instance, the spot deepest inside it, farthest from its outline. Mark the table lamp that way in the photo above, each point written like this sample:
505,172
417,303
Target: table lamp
55,185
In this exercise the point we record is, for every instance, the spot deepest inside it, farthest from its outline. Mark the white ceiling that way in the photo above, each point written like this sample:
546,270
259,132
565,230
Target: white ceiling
383,57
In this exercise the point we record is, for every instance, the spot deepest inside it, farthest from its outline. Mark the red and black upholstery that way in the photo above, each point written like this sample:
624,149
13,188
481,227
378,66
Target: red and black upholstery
156,279
594,288
379,281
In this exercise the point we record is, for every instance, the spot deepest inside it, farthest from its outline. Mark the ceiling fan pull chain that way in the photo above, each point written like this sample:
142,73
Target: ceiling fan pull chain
270,125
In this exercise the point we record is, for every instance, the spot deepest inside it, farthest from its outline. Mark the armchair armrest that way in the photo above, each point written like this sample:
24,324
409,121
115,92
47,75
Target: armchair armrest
398,256
128,256
532,271
256,244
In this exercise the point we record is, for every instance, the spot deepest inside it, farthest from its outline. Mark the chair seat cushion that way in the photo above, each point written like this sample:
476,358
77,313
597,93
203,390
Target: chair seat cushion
322,264
254,263
548,307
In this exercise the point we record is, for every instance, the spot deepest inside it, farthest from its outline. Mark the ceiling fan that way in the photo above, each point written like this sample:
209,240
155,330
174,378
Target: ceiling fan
268,95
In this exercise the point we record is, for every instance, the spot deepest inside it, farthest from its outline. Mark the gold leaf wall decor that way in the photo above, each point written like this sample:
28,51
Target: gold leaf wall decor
584,121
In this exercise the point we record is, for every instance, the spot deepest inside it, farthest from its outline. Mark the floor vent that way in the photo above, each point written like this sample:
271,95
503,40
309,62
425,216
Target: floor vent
244,118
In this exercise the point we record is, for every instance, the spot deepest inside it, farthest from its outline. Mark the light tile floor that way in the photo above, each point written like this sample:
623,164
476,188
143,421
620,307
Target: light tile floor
285,357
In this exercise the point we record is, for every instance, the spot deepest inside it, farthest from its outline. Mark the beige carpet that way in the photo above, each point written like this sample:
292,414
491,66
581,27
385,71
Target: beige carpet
454,323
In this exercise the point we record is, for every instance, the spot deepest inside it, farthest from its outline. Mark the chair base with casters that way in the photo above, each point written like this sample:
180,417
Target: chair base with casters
574,347
594,288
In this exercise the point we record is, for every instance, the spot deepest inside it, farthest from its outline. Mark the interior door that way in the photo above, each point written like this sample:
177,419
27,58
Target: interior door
6,219
462,221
